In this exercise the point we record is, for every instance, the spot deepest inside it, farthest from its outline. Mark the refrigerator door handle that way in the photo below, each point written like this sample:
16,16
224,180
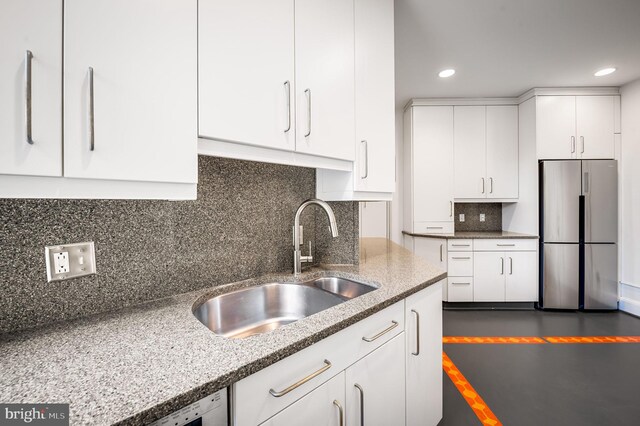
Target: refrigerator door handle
586,182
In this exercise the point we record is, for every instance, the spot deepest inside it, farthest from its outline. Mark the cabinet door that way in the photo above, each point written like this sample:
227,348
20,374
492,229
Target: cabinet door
489,277
375,386
246,81
502,151
424,357
434,251
556,127
324,52
470,152
522,276
432,144
324,406
143,57
595,126
374,169
31,26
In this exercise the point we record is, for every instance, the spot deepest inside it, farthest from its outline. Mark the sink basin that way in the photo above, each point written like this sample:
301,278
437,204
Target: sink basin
263,308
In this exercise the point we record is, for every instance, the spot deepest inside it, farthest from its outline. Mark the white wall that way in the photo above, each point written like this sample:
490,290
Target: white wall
630,199
397,201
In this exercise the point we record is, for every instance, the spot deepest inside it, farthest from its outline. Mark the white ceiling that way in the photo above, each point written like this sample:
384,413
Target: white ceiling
505,47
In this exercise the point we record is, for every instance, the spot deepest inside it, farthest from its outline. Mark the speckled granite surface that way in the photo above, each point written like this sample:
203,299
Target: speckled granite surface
477,235
239,227
139,364
471,211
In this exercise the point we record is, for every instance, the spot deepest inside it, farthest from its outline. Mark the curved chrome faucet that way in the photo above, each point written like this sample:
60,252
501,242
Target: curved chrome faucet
298,259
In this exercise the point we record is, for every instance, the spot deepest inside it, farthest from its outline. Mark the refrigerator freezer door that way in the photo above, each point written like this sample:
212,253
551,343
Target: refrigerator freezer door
561,190
600,276
600,189
561,276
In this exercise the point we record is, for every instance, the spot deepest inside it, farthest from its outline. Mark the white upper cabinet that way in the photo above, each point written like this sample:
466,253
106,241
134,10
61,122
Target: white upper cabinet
470,152
428,168
595,123
324,56
502,151
373,176
31,96
375,96
486,152
575,127
130,90
246,72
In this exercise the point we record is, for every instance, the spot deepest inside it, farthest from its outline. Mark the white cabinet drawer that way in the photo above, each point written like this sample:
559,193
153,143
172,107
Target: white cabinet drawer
460,245
433,227
460,289
460,264
505,245
254,401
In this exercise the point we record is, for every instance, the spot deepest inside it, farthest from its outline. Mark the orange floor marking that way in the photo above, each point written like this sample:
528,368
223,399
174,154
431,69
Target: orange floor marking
470,395
593,339
492,340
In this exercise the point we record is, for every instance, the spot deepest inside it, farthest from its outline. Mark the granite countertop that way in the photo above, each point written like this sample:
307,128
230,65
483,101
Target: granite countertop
138,364
477,235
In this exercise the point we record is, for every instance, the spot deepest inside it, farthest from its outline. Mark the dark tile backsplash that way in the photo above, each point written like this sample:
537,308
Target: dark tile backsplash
239,227
493,217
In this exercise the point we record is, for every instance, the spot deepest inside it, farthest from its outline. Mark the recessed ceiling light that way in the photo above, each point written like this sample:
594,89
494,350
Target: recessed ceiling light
604,71
446,73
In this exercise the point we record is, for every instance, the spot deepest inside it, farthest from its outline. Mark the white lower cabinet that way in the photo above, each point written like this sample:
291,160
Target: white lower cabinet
510,276
423,333
522,276
324,406
434,251
375,386
317,385
488,277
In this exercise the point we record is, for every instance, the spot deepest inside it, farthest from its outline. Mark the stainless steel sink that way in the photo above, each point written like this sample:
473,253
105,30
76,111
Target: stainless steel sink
260,309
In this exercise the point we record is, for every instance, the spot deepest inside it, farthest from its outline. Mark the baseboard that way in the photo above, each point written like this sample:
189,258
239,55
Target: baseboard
629,306
488,306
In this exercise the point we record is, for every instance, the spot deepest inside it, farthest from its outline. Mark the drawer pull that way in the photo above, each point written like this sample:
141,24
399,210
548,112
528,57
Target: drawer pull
460,283
460,245
461,258
278,394
417,352
506,245
434,227
385,331
361,403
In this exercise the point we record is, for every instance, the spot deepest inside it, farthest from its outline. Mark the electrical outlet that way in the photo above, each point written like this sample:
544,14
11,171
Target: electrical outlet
70,261
461,217
482,217
61,262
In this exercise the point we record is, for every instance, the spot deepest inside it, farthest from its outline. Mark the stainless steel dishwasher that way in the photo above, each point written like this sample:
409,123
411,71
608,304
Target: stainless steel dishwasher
209,411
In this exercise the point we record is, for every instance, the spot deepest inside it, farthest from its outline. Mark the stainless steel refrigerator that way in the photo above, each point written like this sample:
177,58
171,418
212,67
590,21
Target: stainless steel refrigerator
579,234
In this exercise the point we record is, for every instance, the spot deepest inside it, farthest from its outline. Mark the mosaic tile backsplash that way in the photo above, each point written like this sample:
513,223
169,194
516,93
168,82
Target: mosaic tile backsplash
239,227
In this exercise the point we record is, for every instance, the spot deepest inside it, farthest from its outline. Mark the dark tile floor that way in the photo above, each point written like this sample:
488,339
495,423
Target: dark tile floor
545,384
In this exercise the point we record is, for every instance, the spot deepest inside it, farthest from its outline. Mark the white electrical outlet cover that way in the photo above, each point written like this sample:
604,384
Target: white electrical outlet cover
461,217
482,217
70,261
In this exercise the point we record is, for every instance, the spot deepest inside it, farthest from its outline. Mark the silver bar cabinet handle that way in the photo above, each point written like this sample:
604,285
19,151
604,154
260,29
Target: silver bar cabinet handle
385,331
502,266
582,143
340,410
361,403
461,258
490,185
27,95
287,88
308,93
417,352
511,266
450,208
92,133
505,245
482,185
441,252
573,144
278,394
366,159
